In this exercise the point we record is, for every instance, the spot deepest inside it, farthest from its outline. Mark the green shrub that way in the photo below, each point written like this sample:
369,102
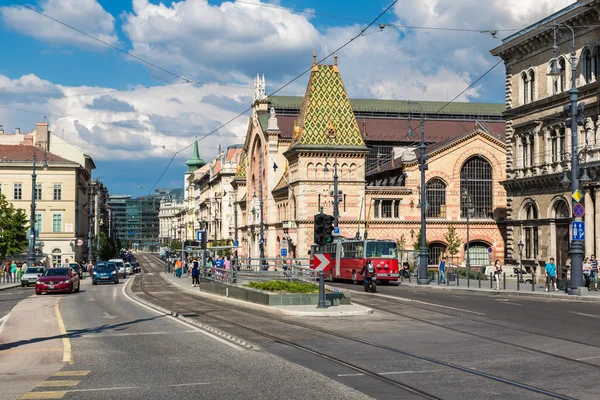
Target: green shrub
472,274
285,286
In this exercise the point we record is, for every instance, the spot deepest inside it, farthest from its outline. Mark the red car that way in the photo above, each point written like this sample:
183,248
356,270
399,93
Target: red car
57,280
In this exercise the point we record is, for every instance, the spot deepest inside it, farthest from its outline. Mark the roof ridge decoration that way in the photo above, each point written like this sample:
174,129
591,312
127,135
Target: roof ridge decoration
240,171
326,117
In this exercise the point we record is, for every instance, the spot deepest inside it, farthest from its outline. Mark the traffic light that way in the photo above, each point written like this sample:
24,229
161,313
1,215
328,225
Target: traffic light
323,229
579,115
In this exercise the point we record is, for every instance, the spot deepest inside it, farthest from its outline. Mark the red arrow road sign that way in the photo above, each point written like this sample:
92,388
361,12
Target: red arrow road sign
321,262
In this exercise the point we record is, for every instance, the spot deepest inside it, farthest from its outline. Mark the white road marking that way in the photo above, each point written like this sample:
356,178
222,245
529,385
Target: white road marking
138,387
409,372
3,321
234,346
587,358
507,301
586,315
350,374
108,316
103,335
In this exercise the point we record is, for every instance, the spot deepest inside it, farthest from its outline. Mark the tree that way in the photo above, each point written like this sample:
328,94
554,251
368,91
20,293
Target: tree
402,242
417,242
13,229
454,241
175,245
108,247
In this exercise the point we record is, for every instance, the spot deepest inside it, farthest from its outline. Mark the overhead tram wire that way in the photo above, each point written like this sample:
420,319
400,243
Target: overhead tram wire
276,91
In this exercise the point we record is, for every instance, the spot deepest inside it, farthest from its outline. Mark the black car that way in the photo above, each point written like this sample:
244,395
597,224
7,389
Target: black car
76,268
135,267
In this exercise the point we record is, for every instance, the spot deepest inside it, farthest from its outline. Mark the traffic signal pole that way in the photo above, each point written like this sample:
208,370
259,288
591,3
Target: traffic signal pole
336,212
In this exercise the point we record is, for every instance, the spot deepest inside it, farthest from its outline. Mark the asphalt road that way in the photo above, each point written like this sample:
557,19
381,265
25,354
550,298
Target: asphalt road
10,297
450,346
126,351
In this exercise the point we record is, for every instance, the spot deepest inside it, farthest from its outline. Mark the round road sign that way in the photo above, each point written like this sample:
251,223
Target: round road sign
578,210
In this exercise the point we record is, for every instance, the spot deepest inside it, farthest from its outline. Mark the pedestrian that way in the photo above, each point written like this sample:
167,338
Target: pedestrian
587,272
66,263
219,267
195,273
13,271
594,265
497,273
551,275
209,266
178,268
442,268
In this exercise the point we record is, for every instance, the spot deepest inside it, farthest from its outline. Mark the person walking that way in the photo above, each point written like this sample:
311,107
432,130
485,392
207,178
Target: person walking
594,265
66,264
497,273
195,273
551,275
13,271
178,267
587,272
442,269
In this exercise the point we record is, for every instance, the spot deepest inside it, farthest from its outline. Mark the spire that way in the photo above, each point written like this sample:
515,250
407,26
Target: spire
195,162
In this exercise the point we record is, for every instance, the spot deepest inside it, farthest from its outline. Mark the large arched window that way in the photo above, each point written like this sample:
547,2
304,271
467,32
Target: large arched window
479,254
587,66
596,63
436,198
531,86
435,251
561,209
530,230
525,86
476,188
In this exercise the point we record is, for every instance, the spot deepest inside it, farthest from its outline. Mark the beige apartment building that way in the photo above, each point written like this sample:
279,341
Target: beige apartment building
61,194
539,139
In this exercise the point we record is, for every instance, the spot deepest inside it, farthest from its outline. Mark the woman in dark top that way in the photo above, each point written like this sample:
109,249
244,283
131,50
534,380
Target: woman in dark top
195,273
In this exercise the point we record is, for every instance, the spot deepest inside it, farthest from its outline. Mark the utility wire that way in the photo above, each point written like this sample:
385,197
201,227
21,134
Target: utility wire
276,91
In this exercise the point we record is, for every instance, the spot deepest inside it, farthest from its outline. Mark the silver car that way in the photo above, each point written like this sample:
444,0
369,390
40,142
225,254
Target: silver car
30,276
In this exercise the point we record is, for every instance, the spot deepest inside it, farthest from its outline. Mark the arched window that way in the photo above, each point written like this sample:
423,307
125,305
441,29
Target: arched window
476,188
56,257
479,254
310,171
436,198
530,231
319,171
525,85
561,209
531,86
597,63
587,66
352,172
435,251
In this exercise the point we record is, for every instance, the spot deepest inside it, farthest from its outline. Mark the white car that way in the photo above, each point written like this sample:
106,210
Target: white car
128,269
120,264
30,276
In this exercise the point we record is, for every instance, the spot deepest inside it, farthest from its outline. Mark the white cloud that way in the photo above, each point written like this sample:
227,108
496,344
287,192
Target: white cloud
87,15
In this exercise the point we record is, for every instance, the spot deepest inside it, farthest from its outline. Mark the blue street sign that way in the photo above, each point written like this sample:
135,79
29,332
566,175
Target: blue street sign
236,243
283,252
262,241
199,236
578,228
336,231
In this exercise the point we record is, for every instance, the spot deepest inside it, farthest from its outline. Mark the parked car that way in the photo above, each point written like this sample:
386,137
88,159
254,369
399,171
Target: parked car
120,264
105,272
31,275
57,280
128,268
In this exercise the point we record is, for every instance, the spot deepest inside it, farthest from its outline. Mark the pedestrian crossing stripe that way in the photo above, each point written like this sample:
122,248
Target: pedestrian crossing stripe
43,395
71,373
60,383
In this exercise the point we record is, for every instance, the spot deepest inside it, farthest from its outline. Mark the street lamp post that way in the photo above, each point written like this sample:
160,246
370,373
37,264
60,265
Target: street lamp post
422,278
576,251
468,206
521,245
32,233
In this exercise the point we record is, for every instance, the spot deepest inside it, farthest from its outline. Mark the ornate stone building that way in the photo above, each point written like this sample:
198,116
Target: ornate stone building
539,140
294,146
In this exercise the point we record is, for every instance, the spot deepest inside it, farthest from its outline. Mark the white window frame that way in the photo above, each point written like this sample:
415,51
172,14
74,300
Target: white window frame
20,187
54,191
61,223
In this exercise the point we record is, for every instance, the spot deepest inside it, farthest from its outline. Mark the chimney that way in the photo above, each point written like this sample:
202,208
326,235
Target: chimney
1,131
17,131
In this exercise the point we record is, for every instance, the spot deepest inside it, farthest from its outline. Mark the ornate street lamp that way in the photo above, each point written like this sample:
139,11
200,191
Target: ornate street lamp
32,232
521,245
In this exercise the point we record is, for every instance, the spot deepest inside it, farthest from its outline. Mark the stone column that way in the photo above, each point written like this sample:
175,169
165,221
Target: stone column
597,222
589,218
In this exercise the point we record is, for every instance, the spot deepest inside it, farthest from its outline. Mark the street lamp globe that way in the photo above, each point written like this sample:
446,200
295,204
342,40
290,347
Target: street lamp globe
521,245
565,181
555,72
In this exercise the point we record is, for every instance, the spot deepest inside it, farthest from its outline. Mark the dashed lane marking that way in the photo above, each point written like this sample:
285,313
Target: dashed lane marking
67,354
21,351
60,383
409,372
3,321
585,315
43,395
71,373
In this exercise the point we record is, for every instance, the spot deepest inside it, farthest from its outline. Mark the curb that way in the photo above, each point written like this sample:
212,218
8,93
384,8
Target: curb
272,310
512,293
10,286
204,327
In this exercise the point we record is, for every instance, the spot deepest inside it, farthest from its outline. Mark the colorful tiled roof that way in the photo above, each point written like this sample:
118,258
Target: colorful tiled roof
241,168
326,116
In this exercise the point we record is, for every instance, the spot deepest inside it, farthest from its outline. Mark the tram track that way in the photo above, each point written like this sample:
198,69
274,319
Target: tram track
439,363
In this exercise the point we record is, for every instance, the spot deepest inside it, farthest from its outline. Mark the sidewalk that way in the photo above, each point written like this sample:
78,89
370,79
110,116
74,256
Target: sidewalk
512,289
4,286
298,311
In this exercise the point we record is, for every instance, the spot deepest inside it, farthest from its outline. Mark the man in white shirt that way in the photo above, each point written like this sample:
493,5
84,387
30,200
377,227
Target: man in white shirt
65,264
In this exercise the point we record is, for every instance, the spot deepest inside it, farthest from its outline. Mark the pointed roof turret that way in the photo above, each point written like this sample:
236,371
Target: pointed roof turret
195,162
326,116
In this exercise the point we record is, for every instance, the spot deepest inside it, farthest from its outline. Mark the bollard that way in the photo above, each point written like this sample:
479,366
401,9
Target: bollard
468,277
438,279
491,278
518,283
504,281
479,279
321,303
532,283
447,281
457,279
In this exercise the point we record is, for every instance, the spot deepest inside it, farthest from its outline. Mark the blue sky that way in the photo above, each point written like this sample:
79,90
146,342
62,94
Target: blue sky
132,134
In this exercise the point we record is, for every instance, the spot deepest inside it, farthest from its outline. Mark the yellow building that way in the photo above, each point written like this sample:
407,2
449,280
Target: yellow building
295,145
62,193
